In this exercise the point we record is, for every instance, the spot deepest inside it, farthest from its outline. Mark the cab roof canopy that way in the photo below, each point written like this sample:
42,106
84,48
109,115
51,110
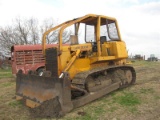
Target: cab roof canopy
92,19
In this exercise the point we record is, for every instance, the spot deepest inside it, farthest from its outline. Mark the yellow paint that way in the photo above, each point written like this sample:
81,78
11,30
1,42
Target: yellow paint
70,60
82,47
98,36
82,64
64,58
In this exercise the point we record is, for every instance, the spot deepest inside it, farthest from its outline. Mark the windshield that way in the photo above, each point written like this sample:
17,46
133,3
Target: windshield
90,33
112,30
108,30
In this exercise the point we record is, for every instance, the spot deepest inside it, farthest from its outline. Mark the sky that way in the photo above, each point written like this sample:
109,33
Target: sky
138,19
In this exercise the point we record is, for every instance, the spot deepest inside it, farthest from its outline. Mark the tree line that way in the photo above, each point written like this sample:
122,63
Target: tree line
28,31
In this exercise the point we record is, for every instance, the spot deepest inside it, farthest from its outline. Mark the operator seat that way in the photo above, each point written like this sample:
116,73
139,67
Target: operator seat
103,39
74,39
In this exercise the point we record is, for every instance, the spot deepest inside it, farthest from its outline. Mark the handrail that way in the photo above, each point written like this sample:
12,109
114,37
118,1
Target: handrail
69,24
65,24
46,33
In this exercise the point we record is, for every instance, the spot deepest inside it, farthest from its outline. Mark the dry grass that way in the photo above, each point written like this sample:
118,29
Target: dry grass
6,73
138,102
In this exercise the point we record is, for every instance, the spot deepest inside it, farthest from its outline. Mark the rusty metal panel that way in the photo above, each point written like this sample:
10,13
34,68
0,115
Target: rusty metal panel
36,88
45,94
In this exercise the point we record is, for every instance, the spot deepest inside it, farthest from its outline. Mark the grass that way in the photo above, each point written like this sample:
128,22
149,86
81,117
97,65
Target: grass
145,63
15,103
157,97
109,104
92,112
146,90
4,70
113,108
127,99
6,73
6,84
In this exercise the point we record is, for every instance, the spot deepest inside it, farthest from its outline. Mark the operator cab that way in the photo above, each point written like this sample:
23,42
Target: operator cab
87,31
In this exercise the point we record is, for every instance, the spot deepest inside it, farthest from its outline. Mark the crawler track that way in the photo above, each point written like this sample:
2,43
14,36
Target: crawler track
102,77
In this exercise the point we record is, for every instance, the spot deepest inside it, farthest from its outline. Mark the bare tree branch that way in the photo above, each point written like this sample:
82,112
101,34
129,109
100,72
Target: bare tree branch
28,31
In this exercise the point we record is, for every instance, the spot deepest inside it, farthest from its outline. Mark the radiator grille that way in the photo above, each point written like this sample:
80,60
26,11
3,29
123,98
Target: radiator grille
51,61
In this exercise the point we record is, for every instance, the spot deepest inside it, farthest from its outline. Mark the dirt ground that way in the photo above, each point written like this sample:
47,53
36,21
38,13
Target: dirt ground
138,102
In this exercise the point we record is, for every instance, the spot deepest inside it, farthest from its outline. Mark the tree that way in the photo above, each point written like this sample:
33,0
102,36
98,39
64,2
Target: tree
21,32
28,31
53,36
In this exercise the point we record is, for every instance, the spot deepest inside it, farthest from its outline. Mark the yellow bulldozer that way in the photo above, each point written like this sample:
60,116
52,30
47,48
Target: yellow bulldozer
77,73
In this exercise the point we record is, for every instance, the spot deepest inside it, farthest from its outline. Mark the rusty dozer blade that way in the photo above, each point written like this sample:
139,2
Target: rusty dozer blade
45,95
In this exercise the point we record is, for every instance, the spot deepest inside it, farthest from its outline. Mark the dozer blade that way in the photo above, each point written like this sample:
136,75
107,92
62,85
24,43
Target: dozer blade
44,93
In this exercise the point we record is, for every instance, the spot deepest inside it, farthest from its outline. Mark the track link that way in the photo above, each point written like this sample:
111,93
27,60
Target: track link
125,75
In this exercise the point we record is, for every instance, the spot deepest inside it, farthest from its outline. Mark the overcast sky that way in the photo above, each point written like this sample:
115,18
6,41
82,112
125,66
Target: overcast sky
138,19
